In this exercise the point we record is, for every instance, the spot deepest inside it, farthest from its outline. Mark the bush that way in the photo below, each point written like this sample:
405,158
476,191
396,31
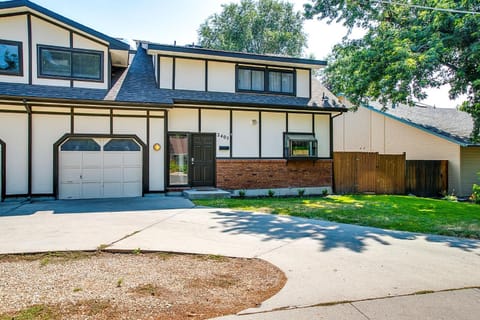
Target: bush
241,194
301,192
271,193
476,192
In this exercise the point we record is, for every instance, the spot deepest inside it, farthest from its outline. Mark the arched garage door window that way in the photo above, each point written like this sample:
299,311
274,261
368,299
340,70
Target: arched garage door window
100,168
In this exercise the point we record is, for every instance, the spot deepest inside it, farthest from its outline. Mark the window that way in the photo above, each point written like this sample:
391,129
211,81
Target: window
11,58
79,144
265,80
299,145
121,145
70,64
178,159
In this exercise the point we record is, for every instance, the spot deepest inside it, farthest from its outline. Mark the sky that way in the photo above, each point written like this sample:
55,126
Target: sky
167,21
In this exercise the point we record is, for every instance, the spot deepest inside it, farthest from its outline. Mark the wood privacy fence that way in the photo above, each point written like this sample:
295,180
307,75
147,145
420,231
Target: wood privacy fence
370,172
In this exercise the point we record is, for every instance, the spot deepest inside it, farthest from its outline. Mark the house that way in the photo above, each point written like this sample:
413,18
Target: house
83,116
421,132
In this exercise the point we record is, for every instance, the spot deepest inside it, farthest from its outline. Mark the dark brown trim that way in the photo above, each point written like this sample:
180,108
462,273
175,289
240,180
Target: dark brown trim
109,69
313,124
111,121
199,120
30,58
231,133
72,121
310,84
206,75
71,47
13,14
331,137
179,103
158,71
286,121
259,134
166,166
3,170
56,145
173,73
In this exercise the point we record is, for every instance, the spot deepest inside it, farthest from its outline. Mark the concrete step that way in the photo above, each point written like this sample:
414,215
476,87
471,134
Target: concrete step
210,193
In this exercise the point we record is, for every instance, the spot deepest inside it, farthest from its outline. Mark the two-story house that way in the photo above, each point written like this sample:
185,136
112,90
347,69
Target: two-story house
82,116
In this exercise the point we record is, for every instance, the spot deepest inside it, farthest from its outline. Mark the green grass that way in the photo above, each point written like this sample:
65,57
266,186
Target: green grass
36,312
388,212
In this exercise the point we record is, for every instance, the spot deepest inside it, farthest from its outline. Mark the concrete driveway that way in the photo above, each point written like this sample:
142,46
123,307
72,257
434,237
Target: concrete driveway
324,262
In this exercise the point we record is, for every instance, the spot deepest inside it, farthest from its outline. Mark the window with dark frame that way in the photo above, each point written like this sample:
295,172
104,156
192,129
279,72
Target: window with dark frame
70,63
11,58
265,80
300,146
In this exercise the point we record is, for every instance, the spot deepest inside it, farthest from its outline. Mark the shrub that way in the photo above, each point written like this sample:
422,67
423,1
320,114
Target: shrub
241,194
271,193
325,192
301,192
476,192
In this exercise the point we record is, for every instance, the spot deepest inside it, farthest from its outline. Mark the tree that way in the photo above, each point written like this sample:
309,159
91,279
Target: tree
263,26
407,47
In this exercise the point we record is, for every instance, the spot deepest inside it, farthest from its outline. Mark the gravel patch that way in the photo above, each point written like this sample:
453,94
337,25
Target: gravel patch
103,285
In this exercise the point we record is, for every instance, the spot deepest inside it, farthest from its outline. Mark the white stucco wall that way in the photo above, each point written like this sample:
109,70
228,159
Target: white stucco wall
136,126
303,83
183,120
245,134
13,131
166,72
218,122
221,76
273,127
322,133
299,122
15,29
157,158
189,74
89,124
46,130
80,42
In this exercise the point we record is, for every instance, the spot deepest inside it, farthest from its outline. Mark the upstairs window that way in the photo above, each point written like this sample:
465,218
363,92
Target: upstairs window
70,64
11,58
264,80
300,145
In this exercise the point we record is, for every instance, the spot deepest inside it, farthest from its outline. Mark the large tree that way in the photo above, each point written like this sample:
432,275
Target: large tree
263,26
408,46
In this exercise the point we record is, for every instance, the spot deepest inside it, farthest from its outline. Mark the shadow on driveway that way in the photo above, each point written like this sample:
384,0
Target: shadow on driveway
94,205
329,235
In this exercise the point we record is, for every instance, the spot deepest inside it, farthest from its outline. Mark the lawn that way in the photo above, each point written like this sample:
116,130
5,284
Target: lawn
404,213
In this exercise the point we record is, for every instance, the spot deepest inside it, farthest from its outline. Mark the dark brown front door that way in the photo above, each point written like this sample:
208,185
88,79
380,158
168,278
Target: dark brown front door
203,160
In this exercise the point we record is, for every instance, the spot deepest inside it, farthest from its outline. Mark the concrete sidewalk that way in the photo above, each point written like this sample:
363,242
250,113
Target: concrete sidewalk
324,262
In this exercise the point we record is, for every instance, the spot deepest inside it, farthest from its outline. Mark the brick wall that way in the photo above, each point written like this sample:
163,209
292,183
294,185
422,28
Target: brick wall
266,174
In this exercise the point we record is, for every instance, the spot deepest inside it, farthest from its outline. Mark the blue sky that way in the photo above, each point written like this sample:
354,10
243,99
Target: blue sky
166,21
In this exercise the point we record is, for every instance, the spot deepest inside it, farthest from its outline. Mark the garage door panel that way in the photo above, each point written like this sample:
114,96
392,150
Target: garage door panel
132,159
112,159
113,190
112,175
92,160
71,159
70,191
92,175
132,174
91,190
70,175
132,189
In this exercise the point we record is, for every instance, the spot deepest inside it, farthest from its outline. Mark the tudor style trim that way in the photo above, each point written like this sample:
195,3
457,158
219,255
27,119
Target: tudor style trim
3,170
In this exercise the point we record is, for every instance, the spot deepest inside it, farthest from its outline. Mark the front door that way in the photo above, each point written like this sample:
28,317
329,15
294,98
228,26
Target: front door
203,160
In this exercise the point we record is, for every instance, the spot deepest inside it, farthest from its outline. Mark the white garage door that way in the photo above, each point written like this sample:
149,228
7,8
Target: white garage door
100,168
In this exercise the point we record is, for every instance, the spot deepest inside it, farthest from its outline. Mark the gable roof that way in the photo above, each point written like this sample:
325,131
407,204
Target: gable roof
113,43
140,86
450,124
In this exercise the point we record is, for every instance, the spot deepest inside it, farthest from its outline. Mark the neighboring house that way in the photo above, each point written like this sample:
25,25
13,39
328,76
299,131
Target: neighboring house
81,116
421,132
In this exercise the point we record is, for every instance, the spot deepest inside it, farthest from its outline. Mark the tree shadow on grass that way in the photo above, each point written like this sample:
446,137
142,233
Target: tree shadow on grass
329,235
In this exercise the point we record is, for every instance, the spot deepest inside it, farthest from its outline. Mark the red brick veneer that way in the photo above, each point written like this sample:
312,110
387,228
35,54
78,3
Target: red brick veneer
266,174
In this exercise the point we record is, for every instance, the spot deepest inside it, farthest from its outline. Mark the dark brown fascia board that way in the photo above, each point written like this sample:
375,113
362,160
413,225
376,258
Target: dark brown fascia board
280,107
83,103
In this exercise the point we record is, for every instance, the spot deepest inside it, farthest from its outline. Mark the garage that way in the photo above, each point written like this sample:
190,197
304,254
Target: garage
99,168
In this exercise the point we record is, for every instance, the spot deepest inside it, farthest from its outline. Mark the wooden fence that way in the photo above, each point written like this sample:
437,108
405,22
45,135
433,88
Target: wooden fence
426,178
370,172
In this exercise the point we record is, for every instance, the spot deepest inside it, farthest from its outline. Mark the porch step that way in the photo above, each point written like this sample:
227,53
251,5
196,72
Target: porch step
204,193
